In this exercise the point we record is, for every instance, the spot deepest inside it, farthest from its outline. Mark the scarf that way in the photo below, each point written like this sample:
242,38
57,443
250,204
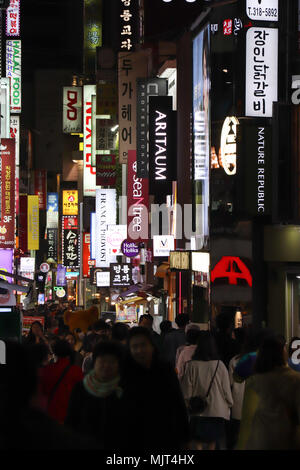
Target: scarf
101,389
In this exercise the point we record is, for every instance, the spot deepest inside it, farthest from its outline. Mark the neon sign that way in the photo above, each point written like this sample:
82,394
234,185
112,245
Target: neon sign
233,268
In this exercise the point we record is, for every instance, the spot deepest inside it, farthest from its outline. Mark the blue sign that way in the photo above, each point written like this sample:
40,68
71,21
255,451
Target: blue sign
52,202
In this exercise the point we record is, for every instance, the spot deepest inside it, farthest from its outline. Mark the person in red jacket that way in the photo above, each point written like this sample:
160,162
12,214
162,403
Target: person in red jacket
57,380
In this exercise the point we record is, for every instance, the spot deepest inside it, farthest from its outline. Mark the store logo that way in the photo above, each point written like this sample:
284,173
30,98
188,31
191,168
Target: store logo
2,353
232,268
296,87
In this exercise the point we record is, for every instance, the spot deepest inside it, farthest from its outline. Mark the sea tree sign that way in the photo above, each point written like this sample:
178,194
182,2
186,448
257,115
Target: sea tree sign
13,71
137,202
162,151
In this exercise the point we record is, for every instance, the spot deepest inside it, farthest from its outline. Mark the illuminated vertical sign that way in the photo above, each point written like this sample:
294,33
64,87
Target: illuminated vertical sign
13,18
162,149
72,109
70,202
106,214
52,239
201,127
130,67
15,134
128,24
7,219
6,263
40,187
137,202
13,71
89,172
261,71
52,210
87,262
5,107
92,32
70,241
23,224
33,223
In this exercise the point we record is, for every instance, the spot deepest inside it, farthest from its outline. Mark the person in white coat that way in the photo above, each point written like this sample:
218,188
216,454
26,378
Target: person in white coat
202,373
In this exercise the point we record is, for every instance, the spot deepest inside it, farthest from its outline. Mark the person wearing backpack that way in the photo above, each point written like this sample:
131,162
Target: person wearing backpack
206,382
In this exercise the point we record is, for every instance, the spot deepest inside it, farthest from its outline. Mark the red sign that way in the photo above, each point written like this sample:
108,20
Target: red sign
138,202
27,322
40,187
7,191
227,27
23,223
70,222
88,263
232,268
106,170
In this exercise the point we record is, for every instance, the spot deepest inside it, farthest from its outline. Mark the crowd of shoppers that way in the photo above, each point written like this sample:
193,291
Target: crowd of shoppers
117,387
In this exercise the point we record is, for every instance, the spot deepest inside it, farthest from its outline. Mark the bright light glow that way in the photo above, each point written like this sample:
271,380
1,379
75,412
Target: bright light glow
104,116
113,129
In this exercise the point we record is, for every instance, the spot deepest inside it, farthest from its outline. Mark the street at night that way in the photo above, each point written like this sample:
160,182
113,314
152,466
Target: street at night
150,228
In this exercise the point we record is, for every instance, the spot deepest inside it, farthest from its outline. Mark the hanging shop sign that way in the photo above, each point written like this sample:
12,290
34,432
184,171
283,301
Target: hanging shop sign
72,109
233,269
70,239
180,260
257,168
52,210
13,72
93,275
228,145
27,265
44,267
60,292
23,229
106,173
61,275
6,263
93,225
130,67
130,249
262,10
87,262
162,148
52,239
162,245
15,134
106,214
120,275
70,202
13,18
89,172
107,97
200,262
40,187
106,138
103,278
145,89
261,71
7,193
5,107
115,235
92,32
129,21
137,202
33,229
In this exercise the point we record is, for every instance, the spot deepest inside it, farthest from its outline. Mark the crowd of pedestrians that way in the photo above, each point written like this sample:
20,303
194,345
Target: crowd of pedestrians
121,387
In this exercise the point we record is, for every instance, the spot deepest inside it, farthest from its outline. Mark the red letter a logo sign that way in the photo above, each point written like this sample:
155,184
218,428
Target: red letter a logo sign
233,268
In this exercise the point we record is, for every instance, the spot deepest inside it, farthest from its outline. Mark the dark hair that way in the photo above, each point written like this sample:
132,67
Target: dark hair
165,326
206,347
141,331
120,331
101,325
30,338
270,355
255,338
182,320
291,349
68,333
146,316
240,338
38,353
192,335
62,348
108,348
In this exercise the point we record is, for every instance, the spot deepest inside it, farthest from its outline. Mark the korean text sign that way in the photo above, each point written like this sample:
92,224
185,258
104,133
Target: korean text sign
7,212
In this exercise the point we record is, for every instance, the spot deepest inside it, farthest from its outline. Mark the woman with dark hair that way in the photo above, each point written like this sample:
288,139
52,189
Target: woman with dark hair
271,407
206,374
35,335
58,379
186,353
96,408
157,416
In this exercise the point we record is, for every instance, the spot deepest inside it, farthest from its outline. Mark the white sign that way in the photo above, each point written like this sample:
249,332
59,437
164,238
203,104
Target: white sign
27,265
103,279
262,10
163,244
106,214
89,172
115,235
228,145
13,71
200,262
72,109
261,71
15,134
93,236
44,268
13,18
5,107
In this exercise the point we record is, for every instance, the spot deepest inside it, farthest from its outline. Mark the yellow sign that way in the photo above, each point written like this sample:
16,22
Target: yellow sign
33,223
179,260
70,202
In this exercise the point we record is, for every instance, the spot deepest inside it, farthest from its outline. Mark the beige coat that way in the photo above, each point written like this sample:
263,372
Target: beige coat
196,380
